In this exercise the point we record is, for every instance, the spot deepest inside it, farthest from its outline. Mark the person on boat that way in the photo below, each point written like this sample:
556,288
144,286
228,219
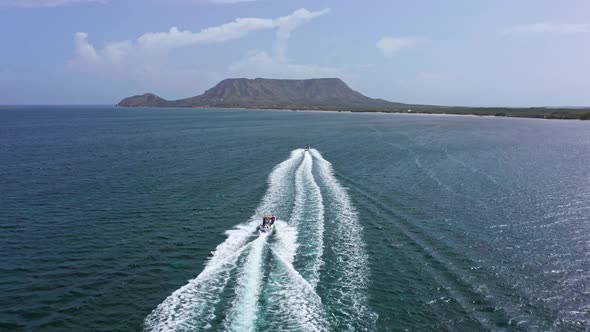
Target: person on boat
272,220
264,221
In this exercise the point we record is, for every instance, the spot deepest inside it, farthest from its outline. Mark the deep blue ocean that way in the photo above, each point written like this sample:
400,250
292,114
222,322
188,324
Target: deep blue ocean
118,219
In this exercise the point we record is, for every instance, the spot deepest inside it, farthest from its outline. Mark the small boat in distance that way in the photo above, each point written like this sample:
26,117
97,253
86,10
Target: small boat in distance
307,147
268,223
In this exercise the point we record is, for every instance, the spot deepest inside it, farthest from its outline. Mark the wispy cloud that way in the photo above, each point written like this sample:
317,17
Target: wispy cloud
549,28
276,64
390,46
143,61
43,3
156,43
263,64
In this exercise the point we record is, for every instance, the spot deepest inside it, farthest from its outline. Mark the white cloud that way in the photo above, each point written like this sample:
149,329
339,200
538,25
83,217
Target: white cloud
287,24
277,64
86,55
42,3
143,64
154,43
549,28
261,64
390,46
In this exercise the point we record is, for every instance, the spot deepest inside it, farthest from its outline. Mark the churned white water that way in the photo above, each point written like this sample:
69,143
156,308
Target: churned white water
268,280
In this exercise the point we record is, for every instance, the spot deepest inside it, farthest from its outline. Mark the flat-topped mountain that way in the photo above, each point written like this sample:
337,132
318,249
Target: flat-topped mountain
317,93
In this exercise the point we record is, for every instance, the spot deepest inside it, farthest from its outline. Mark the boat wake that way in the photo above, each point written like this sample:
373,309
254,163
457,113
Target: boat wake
287,279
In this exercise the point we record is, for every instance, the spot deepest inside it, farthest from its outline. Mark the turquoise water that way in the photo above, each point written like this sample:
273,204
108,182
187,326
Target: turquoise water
132,219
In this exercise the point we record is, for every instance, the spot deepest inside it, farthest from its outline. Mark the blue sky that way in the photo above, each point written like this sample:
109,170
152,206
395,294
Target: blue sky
463,52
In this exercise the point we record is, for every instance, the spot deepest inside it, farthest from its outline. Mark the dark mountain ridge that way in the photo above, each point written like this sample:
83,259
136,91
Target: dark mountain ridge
317,93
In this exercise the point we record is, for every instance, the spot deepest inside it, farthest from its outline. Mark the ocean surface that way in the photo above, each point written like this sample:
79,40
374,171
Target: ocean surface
145,219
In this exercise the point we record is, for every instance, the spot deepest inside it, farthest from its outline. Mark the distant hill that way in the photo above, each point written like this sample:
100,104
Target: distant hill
148,99
330,94
318,93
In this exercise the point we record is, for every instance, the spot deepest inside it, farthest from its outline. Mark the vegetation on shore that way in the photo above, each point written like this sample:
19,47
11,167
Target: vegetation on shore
532,112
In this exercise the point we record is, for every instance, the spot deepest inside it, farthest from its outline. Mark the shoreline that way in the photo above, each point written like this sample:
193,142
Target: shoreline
581,114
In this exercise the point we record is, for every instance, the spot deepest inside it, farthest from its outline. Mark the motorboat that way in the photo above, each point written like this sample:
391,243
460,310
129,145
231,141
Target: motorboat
266,229
268,223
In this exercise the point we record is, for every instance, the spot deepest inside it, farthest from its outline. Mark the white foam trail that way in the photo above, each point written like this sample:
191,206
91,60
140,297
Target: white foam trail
293,304
308,216
300,194
299,306
242,315
286,245
275,193
296,276
179,310
349,294
192,306
298,303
